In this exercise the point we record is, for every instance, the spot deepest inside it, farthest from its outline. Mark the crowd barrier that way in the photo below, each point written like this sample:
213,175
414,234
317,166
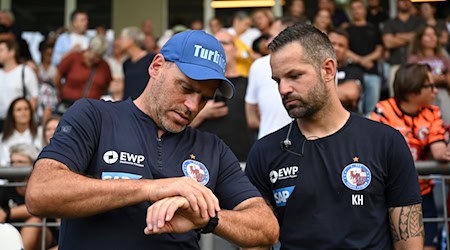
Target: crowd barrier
440,172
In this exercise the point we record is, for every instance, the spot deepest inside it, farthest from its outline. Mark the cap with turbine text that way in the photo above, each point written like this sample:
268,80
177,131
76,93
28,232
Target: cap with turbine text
199,56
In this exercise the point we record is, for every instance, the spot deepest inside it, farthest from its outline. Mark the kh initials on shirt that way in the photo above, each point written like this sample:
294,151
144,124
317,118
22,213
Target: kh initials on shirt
357,199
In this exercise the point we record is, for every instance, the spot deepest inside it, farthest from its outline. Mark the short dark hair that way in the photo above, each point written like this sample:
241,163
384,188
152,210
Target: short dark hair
315,43
409,79
340,32
74,14
11,44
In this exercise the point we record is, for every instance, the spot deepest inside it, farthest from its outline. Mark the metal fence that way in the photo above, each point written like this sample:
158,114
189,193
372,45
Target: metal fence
439,172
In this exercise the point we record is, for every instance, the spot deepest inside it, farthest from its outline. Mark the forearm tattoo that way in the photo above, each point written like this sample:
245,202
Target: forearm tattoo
406,222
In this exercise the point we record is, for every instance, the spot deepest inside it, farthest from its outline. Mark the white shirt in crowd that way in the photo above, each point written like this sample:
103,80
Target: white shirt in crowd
17,138
11,86
262,91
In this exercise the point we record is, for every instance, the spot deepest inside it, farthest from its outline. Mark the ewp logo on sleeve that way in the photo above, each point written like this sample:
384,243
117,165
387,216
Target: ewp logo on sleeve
281,195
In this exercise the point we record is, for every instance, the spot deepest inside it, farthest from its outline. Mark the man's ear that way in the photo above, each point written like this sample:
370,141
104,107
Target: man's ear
156,65
329,70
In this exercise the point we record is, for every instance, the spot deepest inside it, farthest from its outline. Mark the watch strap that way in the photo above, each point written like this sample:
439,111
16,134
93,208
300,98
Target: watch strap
212,224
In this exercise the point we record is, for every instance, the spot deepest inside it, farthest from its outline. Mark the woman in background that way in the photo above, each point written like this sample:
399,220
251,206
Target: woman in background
323,21
49,128
426,49
20,127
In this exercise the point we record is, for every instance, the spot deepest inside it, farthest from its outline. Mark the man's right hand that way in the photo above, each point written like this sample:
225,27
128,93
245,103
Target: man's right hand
201,199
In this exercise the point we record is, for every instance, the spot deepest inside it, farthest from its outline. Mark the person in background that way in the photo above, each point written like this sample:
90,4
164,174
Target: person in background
86,74
215,25
365,49
49,128
244,36
76,40
349,76
196,24
150,44
329,187
226,118
16,80
323,21
12,202
135,67
264,109
376,15
398,34
411,112
339,17
47,71
262,20
115,62
20,127
297,10
428,12
47,97
425,48
147,26
10,31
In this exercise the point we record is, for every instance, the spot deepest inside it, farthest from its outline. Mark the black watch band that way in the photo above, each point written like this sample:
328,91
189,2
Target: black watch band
212,224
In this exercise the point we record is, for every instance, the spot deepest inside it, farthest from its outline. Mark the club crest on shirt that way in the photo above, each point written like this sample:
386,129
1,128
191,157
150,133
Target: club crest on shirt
196,170
356,176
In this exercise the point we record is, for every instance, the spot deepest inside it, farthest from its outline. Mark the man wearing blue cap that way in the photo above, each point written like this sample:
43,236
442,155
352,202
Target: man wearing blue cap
131,175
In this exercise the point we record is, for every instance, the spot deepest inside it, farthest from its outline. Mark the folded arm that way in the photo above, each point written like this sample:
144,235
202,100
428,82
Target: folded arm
54,190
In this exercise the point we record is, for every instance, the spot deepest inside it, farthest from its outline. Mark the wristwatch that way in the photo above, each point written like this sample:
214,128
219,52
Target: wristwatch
212,224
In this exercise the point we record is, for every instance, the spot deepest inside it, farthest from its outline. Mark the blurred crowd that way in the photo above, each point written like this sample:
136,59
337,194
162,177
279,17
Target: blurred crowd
370,47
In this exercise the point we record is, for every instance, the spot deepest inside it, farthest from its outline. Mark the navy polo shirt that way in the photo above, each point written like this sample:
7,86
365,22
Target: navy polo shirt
335,192
108,140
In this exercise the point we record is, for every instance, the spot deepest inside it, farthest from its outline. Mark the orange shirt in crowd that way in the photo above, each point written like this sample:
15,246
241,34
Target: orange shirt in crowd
420,130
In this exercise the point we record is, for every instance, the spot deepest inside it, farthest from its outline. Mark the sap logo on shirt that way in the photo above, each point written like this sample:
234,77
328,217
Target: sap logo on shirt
283,173
111,157
120,175
281,195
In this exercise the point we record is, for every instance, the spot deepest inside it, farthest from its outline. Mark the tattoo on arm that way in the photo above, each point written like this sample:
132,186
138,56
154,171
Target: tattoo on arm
406,222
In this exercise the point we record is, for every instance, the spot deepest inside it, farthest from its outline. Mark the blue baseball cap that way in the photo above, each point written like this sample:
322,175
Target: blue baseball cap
199,56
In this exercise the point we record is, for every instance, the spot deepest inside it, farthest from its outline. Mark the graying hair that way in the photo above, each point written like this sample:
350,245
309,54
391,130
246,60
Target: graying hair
135,34
315,43
25,149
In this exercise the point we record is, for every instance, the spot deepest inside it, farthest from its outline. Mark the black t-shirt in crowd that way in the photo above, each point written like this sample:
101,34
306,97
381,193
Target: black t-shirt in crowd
232,128
363,41
136,76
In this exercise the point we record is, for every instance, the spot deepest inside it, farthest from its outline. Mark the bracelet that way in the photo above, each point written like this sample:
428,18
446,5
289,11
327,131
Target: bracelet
212,224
